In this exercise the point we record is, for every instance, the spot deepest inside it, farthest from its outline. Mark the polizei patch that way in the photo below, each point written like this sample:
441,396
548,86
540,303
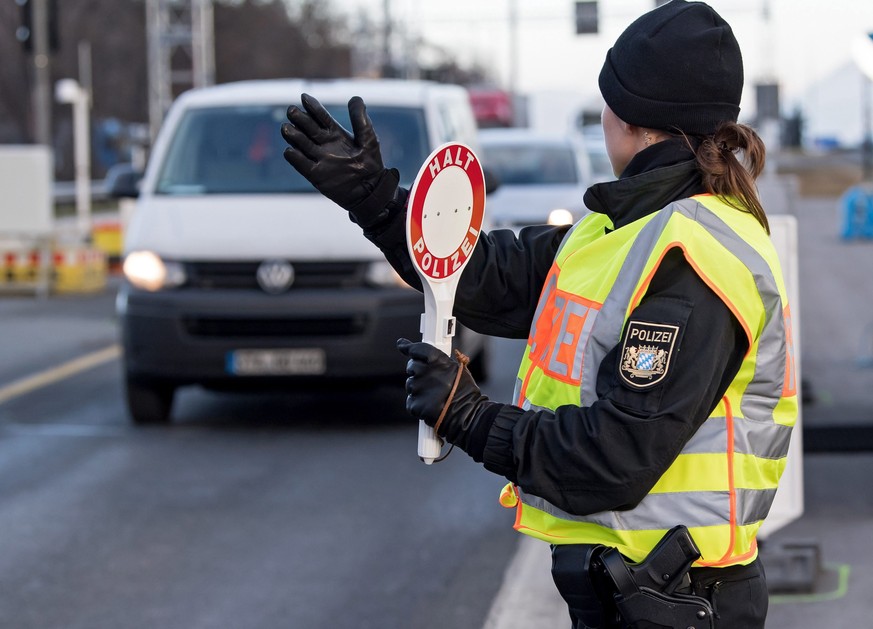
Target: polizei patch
646,353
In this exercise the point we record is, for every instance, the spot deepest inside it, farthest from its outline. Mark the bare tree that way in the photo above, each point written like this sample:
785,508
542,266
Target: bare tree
258,39
15,82
254,39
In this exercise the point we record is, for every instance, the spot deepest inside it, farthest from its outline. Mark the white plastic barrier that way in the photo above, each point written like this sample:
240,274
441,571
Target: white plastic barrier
26,213
788,504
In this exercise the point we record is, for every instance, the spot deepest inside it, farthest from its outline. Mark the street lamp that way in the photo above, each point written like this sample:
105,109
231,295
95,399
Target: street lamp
69,91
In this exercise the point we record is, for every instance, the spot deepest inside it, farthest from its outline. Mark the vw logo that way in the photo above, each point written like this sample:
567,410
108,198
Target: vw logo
275,276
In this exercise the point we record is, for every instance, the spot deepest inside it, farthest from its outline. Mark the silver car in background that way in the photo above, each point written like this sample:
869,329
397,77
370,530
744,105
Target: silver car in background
543,177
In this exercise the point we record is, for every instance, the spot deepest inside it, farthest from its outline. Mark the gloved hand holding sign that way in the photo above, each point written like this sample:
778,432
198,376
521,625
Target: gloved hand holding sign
441,389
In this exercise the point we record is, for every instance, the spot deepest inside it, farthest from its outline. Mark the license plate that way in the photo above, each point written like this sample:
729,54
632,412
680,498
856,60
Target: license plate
276,362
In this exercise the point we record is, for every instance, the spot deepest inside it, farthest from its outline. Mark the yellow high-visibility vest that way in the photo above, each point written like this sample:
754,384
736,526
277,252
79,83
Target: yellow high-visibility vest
723,482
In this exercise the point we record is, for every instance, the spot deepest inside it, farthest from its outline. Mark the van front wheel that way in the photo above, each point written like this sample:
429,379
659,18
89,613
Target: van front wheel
149,401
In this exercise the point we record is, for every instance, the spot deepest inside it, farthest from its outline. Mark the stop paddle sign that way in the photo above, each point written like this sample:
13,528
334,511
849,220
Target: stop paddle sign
443,221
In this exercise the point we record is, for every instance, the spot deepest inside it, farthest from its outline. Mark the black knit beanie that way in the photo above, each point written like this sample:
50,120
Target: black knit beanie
676,67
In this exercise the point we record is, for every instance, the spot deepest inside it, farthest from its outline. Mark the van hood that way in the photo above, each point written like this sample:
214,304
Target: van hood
304,226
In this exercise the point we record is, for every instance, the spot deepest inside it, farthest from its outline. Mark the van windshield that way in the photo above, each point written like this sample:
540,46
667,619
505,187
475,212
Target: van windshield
238,149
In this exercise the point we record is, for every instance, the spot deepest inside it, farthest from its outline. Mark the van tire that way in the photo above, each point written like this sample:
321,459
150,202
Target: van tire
148,401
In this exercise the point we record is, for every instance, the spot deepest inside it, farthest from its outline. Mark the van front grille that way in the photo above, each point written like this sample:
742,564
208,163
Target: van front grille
243,275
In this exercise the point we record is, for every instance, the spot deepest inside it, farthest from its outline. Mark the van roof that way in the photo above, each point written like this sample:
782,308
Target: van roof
373,91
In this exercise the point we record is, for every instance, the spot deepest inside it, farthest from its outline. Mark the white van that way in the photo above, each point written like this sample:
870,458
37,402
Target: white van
238,273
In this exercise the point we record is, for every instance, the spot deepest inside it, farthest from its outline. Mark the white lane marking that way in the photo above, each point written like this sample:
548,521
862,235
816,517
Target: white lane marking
528,597
55,374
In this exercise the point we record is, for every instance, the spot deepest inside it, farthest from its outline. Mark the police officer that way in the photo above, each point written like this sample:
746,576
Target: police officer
657,388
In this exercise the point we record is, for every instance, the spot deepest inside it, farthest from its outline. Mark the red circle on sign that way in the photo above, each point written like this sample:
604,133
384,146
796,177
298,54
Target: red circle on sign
446,209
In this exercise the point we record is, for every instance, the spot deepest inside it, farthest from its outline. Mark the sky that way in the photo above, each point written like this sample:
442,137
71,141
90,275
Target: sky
802,42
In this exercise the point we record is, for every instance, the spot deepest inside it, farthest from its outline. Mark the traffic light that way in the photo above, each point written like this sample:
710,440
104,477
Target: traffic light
25,31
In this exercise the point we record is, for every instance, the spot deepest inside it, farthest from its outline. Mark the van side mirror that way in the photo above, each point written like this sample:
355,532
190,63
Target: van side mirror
122,181
492,181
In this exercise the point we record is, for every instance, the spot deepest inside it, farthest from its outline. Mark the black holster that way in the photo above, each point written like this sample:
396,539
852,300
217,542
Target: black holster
656,591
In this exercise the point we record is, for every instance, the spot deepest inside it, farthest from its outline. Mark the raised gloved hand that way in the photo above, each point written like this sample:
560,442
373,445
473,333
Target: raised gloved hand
345,168
432,376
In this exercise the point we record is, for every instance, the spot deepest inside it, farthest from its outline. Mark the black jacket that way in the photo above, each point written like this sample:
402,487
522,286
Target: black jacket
610,454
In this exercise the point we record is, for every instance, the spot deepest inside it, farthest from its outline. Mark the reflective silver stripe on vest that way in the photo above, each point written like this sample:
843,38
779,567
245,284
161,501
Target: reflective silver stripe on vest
692,508
516,391
765,389
610,320
761,439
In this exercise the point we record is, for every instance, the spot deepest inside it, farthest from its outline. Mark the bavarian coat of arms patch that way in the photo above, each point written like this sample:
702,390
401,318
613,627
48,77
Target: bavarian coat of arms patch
646,353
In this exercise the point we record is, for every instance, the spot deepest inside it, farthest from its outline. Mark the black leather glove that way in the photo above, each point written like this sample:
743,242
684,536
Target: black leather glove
345,168
431,378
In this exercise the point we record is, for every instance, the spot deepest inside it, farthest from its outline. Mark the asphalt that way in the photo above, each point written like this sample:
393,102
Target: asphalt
819,558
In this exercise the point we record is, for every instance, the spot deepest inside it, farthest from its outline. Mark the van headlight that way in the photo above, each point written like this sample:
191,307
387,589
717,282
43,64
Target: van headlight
381,273
146,270
560,216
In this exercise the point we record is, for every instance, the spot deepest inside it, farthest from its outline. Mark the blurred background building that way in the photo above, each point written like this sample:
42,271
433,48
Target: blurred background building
526,64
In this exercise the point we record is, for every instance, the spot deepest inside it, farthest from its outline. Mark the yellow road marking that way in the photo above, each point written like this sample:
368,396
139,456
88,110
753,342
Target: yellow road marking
55,374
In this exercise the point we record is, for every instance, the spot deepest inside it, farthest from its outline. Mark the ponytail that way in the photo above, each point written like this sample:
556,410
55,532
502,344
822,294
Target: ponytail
725,175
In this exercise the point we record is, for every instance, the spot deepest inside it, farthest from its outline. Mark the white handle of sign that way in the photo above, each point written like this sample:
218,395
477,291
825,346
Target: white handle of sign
437,328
